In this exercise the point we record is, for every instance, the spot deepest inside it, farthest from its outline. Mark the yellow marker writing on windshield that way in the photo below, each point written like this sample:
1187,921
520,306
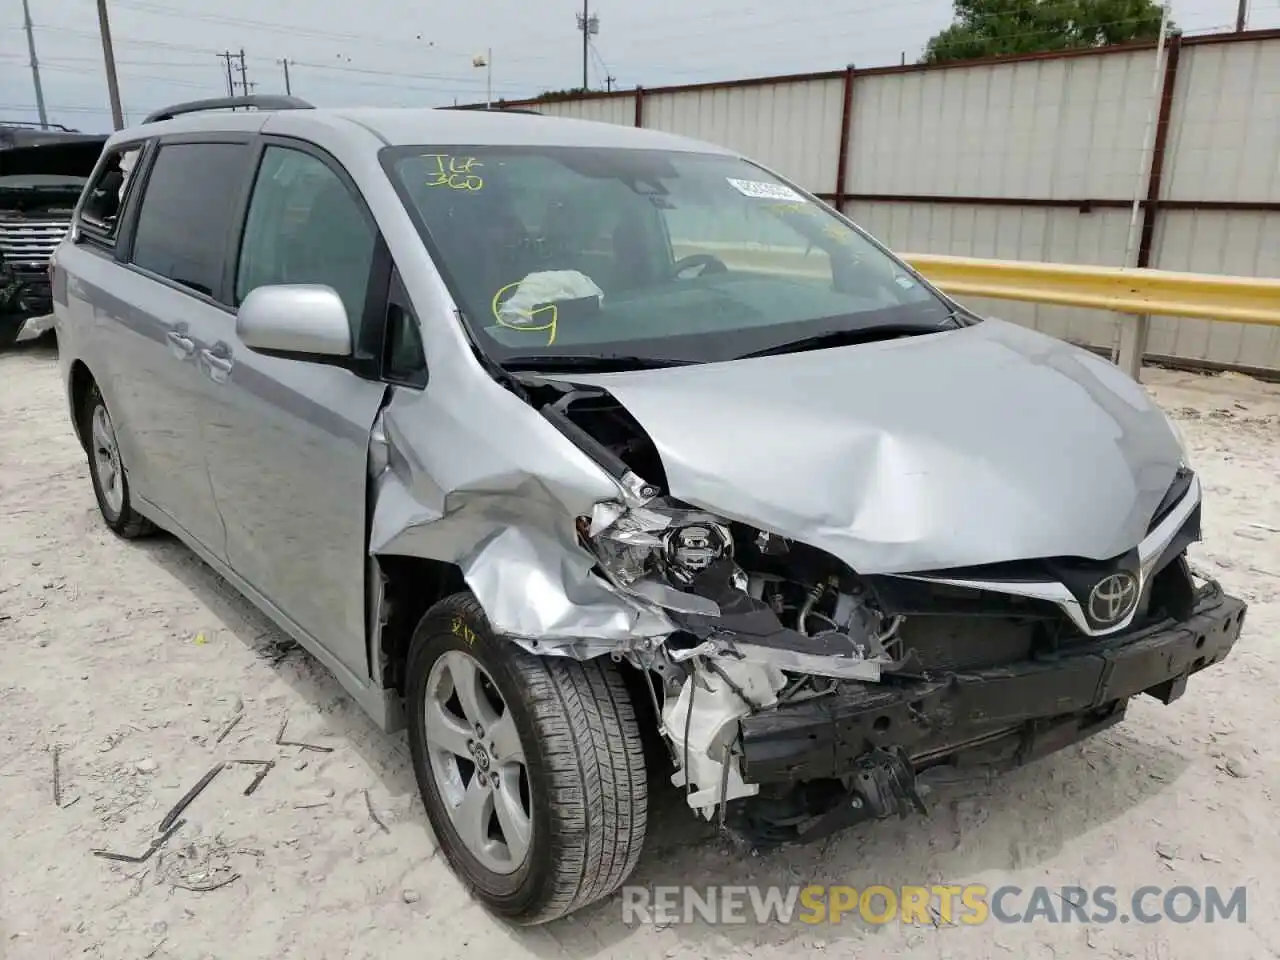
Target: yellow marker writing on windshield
456,173
549,327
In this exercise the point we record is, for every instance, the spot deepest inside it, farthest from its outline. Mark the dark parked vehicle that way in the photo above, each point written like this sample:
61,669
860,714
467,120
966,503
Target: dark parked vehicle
42,173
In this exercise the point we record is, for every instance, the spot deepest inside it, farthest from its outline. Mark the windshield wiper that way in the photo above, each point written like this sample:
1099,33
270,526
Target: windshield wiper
600,363
843,338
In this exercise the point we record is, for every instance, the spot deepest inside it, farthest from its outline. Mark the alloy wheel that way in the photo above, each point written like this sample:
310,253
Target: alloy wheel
106,460
477,762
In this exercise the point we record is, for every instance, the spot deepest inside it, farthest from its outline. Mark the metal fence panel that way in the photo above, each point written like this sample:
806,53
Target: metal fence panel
791,127
1224,138
619,109
1058,129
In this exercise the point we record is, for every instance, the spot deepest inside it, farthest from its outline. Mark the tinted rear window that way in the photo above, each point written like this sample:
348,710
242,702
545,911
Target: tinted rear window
186,211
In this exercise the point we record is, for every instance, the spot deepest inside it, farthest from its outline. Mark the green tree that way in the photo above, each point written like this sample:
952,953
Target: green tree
989,28
549,95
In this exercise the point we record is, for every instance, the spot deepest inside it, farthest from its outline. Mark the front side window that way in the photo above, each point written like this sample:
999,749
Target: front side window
663,254
187,210
305,226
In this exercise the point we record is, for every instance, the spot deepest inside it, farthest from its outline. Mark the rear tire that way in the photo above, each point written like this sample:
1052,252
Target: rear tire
107,471
581,753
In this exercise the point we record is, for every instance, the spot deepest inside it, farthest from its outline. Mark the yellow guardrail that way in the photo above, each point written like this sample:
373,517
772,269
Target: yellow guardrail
1143,292
1150,292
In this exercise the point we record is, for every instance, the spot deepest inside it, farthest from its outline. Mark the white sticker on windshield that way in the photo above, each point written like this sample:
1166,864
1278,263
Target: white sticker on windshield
762,190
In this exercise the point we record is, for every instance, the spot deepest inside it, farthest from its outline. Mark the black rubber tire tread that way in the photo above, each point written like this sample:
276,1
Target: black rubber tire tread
130,525
594,780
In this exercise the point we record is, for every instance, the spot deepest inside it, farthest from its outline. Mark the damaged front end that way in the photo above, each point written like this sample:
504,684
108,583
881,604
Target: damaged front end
818,644
798,696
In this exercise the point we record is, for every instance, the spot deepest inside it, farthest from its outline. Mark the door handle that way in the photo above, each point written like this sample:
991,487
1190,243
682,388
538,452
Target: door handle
182,347
219,366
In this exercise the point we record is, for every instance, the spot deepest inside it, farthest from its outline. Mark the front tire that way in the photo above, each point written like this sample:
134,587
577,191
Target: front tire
107,472
539,800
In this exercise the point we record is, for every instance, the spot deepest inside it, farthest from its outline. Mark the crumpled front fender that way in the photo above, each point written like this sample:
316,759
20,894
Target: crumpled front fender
510,532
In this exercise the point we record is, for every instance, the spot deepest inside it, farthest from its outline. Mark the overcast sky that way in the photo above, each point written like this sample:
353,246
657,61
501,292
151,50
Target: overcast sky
411,52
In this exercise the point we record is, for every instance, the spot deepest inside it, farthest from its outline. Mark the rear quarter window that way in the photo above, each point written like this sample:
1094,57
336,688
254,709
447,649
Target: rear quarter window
105,197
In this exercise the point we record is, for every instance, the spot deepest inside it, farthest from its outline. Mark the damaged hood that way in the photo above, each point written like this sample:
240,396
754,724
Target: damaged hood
27,153
986,444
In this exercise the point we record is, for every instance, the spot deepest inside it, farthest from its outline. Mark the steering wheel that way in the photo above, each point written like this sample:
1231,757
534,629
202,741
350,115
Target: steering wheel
709,263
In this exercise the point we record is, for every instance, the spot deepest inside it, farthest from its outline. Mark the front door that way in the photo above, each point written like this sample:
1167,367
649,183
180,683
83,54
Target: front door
288,440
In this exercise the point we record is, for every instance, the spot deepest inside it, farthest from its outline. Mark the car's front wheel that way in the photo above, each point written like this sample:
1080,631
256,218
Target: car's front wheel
531,768
106,469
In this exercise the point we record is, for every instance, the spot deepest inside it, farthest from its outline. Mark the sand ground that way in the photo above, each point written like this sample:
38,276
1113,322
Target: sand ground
132,659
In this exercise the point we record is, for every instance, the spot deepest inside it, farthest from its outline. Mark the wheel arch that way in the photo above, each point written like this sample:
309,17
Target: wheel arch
410,587
80,380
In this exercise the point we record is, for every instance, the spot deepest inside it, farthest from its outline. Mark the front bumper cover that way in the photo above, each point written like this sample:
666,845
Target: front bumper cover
998,717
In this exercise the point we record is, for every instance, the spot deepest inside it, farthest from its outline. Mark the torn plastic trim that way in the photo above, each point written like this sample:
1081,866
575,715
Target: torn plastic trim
1149,552
701,724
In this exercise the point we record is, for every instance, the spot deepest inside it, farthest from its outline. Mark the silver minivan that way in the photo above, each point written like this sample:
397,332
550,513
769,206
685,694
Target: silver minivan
580,451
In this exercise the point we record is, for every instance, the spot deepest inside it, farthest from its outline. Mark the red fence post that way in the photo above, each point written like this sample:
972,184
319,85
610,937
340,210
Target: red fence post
846,124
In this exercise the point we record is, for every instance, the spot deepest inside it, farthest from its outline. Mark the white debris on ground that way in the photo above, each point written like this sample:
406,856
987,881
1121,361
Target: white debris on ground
142,671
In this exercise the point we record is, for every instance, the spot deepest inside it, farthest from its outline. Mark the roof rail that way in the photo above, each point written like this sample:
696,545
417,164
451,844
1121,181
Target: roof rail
260,102
33,125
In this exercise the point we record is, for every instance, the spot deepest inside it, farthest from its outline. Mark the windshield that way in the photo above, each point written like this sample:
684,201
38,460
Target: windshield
582,252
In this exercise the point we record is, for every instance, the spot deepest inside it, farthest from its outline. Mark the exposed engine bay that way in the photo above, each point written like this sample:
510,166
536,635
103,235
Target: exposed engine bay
797,696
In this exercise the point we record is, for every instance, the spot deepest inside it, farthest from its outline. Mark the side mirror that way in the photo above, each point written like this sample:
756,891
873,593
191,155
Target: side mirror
295,320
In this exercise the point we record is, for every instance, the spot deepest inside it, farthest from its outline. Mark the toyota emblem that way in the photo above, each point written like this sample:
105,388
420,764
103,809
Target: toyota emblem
1113,598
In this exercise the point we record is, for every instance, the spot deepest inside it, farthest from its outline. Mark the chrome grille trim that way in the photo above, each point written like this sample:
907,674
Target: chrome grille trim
30,241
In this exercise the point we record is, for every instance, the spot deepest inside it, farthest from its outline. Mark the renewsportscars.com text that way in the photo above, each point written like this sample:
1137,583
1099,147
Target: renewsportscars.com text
969,904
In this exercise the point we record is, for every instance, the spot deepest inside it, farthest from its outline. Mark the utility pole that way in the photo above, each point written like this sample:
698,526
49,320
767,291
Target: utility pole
590,26
1242,14
484,60
244,76
109,61
231,84
288,87
35,65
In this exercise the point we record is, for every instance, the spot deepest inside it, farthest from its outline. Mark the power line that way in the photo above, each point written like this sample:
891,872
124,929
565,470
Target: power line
609,78
168,81
438,78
